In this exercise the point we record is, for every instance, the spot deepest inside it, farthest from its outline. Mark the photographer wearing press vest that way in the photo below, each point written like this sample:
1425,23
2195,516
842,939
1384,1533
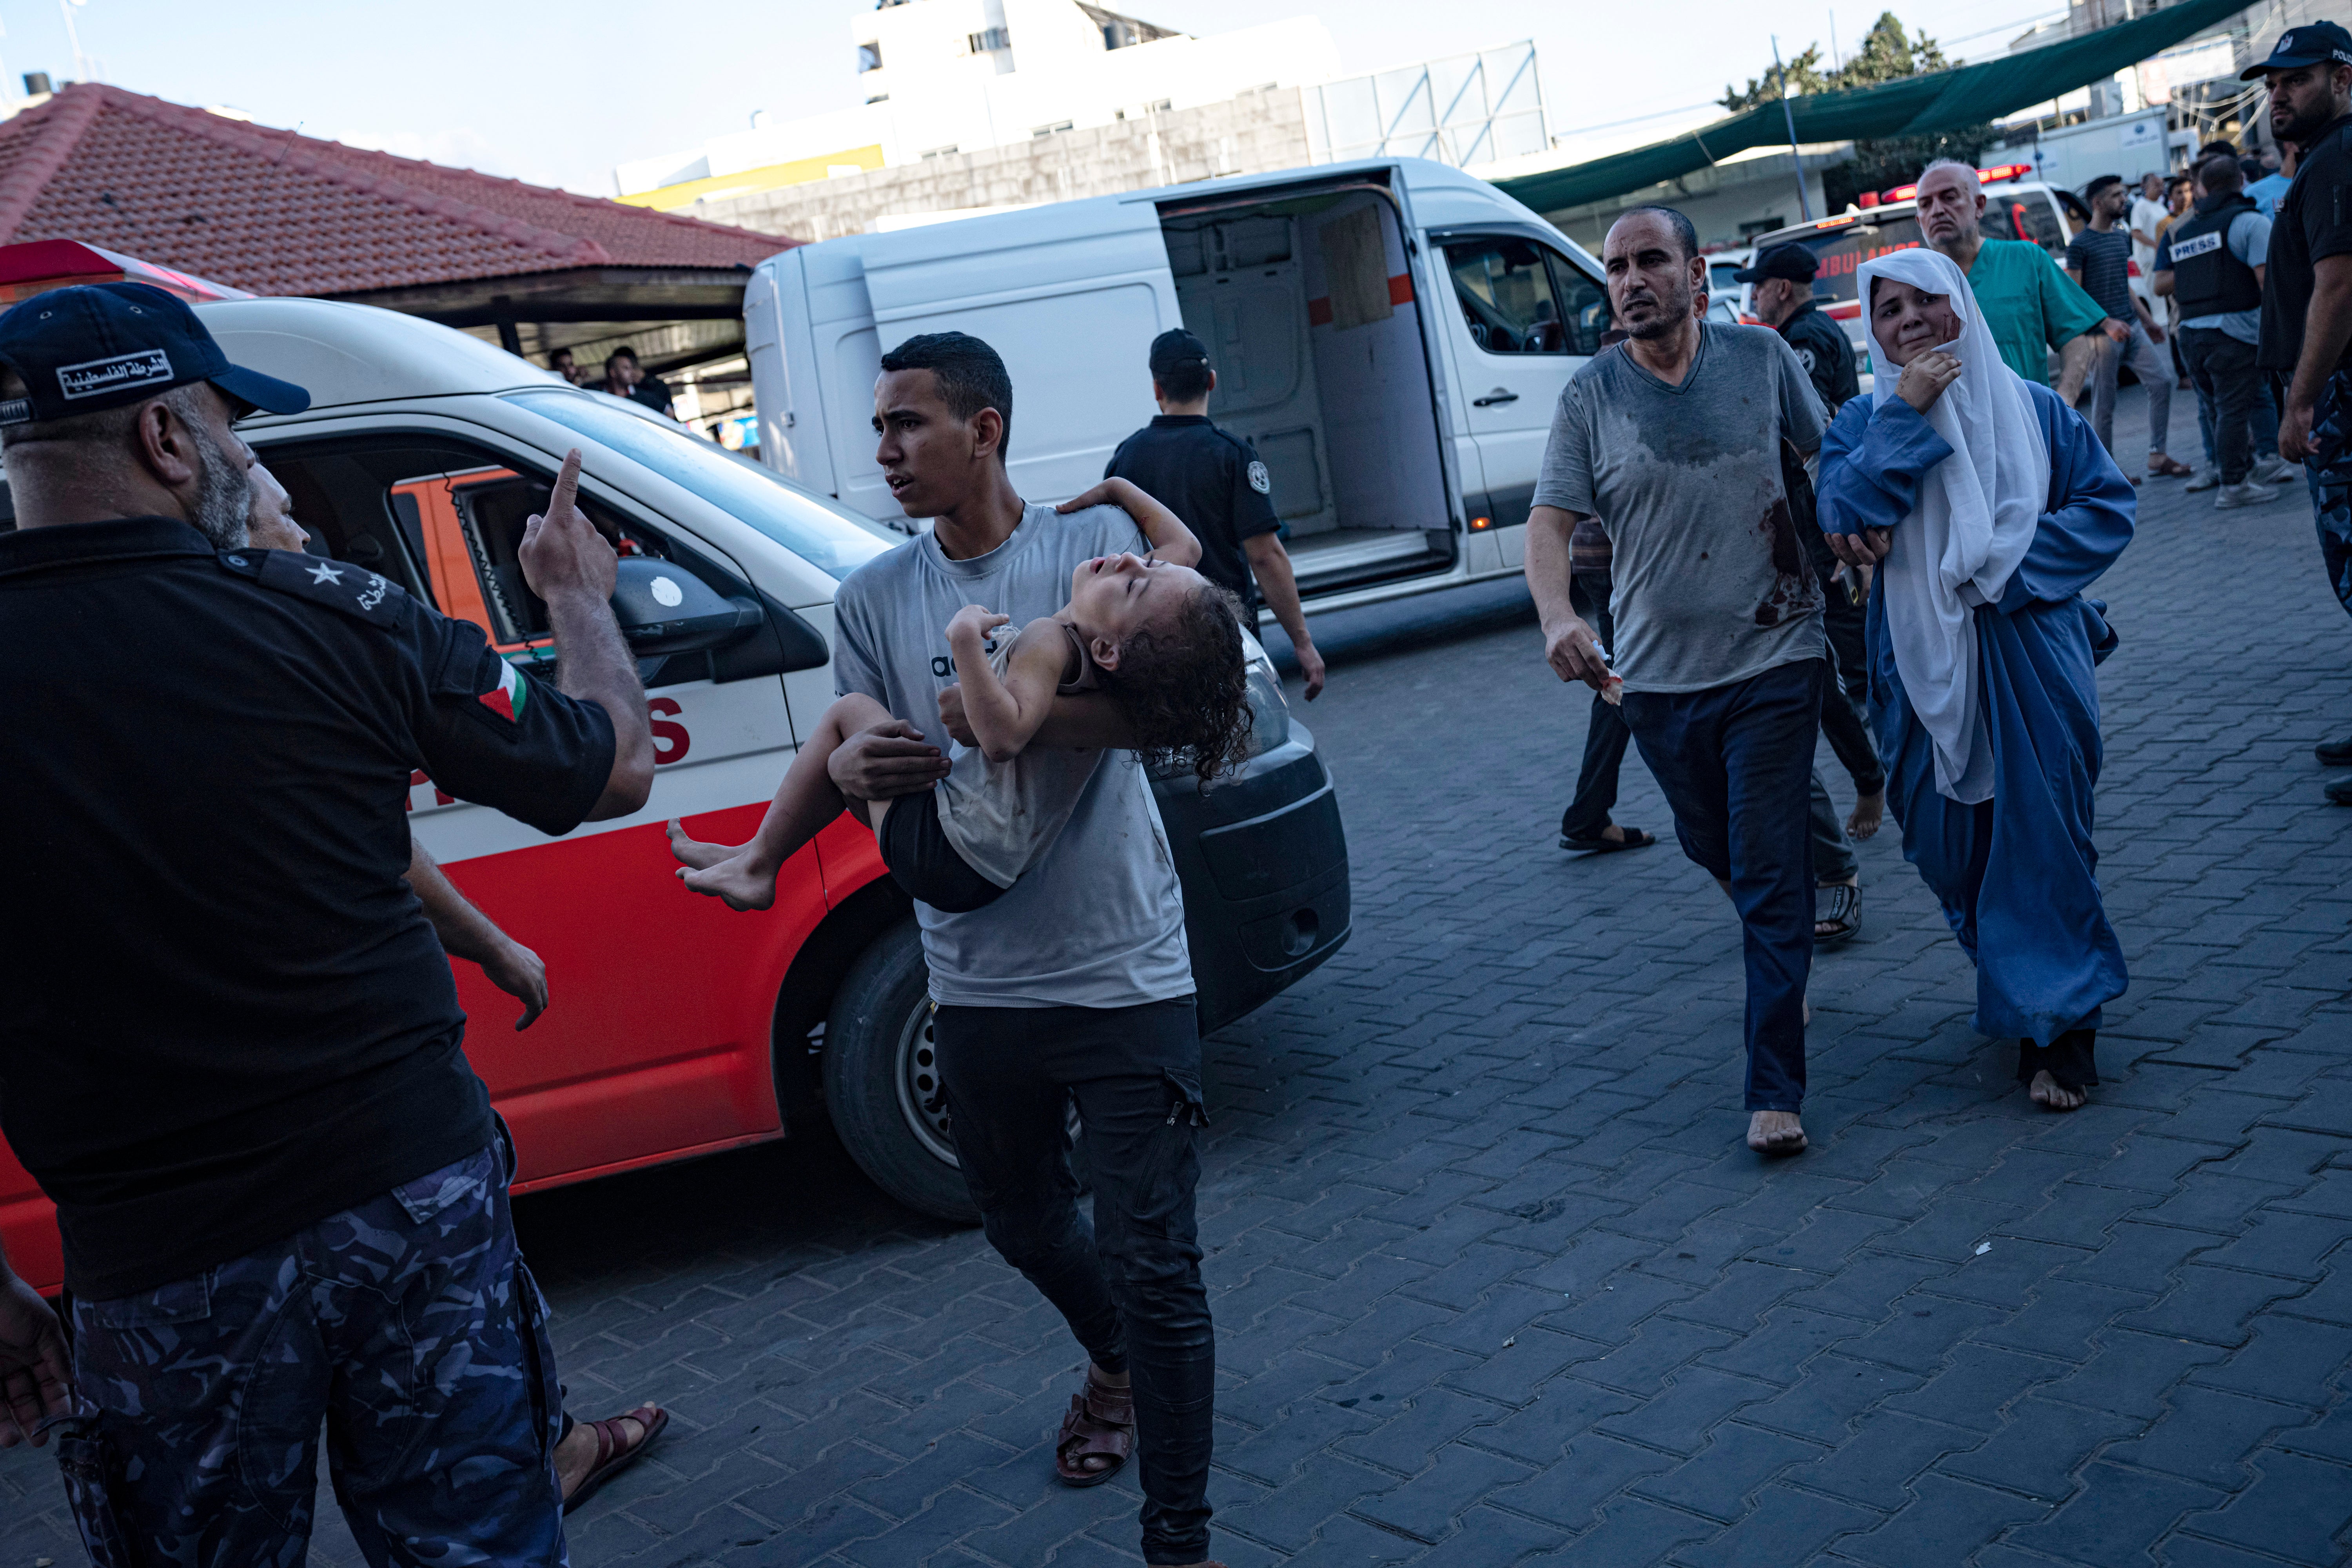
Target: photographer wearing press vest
281,1189
2211,264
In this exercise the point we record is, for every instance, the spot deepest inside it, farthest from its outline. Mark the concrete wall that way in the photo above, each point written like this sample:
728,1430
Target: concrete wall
1258,131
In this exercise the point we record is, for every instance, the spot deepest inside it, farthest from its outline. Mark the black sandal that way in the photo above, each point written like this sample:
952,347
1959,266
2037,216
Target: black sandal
1634,839
1843,917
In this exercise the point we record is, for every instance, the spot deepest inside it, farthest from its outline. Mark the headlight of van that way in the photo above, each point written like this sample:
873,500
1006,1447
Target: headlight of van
1269,714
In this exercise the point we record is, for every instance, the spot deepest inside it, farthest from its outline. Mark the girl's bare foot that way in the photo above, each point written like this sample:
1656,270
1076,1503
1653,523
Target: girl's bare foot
1869,811
694,852
1776,1133
736,881
2045,1090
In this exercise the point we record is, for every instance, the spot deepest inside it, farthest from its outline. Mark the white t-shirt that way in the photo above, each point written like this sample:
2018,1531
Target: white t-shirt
1099,919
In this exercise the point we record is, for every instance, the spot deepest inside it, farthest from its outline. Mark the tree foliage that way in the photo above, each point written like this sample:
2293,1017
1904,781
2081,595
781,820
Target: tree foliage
1887,53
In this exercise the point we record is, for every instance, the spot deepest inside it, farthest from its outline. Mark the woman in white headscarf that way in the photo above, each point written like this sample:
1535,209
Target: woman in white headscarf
1989,506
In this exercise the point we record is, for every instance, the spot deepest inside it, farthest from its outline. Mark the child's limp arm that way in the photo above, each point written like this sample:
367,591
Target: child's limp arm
1004,714
1170,540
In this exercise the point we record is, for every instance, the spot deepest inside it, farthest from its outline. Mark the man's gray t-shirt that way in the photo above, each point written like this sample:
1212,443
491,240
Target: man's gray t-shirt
1098,920
1711,581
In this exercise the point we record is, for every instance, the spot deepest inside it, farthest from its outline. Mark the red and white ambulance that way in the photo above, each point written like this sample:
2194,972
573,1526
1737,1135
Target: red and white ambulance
680,1029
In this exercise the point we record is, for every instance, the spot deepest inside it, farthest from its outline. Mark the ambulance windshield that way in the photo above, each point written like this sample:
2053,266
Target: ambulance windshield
812,528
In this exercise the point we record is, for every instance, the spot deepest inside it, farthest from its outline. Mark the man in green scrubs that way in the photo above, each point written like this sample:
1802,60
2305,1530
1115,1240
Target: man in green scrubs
2029,304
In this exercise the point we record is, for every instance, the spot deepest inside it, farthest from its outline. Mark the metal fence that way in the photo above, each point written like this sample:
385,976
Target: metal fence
1465,109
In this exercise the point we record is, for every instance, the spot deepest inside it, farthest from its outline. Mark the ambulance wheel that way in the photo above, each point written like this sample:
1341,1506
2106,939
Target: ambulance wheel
882,1082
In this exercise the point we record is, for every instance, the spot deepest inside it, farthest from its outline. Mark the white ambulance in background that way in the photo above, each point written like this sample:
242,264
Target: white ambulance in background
1391,335
2016,206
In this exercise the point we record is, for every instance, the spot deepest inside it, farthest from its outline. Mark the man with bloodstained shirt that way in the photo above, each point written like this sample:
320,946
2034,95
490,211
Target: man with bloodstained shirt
1679,441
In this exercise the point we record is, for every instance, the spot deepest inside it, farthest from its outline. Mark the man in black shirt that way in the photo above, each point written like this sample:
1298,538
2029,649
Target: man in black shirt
1213,481
229,1052
624,378
2306,325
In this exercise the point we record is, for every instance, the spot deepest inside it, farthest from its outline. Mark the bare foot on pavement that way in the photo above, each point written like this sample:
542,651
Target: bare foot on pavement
1869,811
1776,1133
2048,1091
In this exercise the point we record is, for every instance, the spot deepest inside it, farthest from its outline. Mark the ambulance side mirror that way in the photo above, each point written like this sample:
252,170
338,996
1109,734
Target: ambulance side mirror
664,610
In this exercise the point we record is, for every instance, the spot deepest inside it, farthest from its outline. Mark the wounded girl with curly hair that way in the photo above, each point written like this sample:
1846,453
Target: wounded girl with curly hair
1161,641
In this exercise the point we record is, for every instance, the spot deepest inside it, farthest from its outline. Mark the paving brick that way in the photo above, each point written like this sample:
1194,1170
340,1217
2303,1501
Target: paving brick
2297,1508
1631,1534
1490,1537
1736,1461
1594,1469
2283,1359
1834,1391
2115,1519
2210,1304
1785,1526
2206,1435
1887,1452
1946,1521
2038,1447
1426,1507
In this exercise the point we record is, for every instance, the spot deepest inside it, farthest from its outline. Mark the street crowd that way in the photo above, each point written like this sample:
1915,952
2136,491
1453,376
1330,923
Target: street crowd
282,1191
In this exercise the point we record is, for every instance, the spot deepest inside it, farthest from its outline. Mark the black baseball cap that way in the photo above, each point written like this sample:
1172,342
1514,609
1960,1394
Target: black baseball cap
2311,44
1174,347
103,345
1795,262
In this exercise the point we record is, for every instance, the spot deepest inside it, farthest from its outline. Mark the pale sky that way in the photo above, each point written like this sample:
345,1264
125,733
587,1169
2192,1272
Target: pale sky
558,94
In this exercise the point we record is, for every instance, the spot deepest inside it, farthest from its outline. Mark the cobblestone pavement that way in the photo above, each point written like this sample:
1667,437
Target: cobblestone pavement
1495,1280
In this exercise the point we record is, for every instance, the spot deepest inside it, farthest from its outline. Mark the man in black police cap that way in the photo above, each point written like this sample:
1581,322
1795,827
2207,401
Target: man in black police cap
1782,299
1213,481
2306,322
230,1051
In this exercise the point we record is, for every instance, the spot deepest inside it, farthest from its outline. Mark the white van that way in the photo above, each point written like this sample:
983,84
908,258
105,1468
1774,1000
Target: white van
1392,335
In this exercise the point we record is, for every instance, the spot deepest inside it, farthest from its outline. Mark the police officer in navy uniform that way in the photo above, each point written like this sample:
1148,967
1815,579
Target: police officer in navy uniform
1782,299
230,1051
1213,481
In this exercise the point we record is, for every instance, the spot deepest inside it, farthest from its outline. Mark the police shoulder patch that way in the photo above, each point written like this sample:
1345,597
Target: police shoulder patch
338,584
1257,478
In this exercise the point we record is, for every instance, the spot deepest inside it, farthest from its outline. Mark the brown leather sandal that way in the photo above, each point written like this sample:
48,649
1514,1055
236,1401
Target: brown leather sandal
1100,1425
615,1452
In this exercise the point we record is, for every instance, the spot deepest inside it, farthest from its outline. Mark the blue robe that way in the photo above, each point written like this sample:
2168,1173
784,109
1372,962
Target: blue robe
2015,874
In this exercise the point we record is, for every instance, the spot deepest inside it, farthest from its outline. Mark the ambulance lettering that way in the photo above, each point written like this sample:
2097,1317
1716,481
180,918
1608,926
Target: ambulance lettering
670,740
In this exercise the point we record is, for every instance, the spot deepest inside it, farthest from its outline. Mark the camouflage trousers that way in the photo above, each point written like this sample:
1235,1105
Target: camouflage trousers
2329,474
408,1325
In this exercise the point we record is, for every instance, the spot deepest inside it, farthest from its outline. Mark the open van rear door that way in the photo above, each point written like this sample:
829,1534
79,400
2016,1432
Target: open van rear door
1071,295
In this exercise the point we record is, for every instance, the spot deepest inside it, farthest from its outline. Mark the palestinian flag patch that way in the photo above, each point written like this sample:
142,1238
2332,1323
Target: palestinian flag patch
507,697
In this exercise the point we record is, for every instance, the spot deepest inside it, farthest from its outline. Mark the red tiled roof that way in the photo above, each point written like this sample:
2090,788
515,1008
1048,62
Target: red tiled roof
276,213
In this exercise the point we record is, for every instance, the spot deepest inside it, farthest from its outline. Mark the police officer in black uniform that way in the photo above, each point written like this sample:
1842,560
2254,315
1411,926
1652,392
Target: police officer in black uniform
1782,299
230,1048
1213,481
2306,325
2201,264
